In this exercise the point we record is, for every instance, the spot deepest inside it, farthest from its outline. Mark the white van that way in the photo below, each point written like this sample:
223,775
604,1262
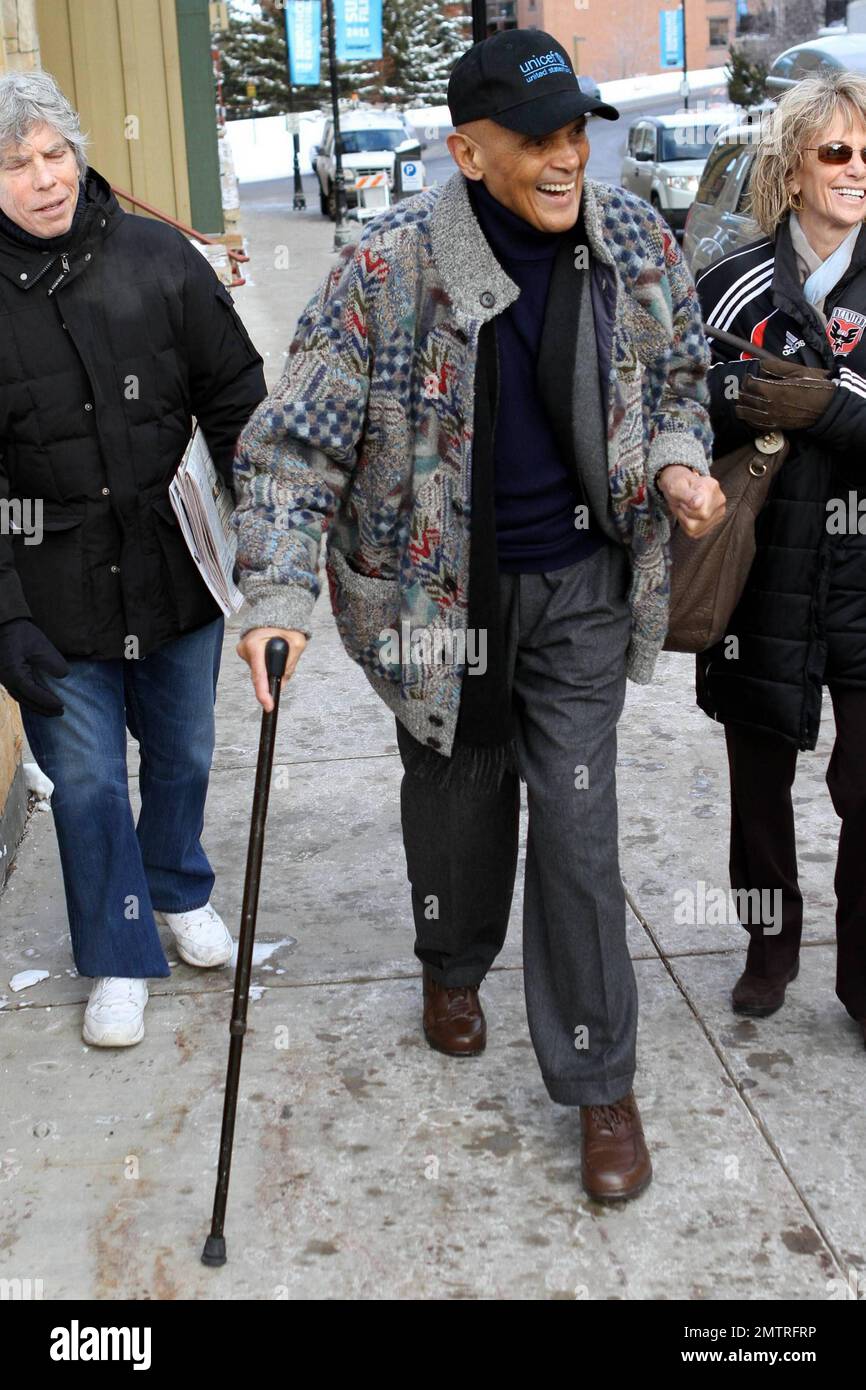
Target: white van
369,136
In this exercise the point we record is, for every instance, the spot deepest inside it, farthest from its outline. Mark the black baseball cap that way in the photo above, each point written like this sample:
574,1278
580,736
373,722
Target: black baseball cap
521,79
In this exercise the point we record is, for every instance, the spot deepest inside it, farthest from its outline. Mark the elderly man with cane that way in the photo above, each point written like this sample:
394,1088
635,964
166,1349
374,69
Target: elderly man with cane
116,332
495,404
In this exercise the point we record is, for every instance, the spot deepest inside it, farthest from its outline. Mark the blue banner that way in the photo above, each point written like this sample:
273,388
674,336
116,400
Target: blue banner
304,38
671,38
359,29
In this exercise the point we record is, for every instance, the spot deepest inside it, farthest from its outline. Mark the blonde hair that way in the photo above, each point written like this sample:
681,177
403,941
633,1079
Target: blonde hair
803,114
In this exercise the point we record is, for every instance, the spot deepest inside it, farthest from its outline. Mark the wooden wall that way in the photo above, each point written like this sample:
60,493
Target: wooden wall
118,63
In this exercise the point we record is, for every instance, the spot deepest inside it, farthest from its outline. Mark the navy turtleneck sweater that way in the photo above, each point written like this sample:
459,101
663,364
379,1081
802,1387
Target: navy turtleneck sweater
535,489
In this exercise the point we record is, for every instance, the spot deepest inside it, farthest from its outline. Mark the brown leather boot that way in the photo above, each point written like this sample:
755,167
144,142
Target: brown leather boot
757,997
454,1020
615,1163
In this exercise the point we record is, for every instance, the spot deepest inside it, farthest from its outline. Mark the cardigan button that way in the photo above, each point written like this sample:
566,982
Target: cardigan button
434,742
435,719
23,275
488,299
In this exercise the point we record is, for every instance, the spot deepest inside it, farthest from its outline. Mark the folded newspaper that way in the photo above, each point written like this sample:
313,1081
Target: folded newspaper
203,506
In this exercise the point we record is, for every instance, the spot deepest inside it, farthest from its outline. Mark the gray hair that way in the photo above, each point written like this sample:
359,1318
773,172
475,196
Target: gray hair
29,99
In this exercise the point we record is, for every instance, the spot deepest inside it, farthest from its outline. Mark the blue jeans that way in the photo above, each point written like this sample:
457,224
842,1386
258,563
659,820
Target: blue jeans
115,871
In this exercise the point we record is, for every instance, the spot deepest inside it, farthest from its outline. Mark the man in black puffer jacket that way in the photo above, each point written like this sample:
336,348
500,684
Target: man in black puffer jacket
116,332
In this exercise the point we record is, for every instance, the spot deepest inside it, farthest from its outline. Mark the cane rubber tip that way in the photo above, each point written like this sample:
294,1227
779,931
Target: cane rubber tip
276,656
214,1252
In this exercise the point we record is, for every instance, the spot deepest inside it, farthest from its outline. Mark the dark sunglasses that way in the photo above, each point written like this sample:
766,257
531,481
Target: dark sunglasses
835,152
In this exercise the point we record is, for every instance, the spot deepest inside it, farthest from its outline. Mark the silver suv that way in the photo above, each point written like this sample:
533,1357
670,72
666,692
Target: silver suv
718,220
665,157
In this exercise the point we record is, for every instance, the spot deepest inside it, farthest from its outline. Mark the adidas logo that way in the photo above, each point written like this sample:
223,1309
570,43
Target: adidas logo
792,344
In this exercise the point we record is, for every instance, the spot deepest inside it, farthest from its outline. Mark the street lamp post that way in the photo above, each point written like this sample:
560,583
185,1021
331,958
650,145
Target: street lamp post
341,231
479,20
299,201
684,89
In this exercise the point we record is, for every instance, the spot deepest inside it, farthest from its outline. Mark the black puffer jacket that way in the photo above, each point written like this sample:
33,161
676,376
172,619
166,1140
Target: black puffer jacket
106,351
802,619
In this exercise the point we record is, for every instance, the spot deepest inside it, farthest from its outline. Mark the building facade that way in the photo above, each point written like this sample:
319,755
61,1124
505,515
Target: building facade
20,47
621,38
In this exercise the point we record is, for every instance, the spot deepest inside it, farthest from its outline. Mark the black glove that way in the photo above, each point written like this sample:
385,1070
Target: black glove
24,652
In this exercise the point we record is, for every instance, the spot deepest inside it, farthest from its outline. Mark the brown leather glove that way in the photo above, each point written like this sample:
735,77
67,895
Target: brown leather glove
779,366
784,395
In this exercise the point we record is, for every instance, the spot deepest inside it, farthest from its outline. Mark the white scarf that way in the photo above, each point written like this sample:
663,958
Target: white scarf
824,274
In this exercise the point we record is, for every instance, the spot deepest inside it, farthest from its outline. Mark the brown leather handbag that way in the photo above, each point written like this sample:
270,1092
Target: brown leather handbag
708,575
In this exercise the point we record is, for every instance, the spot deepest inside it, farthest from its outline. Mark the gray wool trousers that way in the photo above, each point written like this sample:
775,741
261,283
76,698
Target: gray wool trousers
567,635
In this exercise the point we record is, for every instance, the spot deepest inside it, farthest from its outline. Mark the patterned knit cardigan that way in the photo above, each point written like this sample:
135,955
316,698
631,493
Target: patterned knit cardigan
368,436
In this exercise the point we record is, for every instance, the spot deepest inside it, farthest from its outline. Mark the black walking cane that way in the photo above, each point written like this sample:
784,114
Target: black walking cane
276,654
739,344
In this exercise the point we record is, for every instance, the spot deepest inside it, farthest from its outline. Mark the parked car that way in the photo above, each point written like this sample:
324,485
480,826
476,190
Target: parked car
839,52
665,157
718,220
589,86
369,138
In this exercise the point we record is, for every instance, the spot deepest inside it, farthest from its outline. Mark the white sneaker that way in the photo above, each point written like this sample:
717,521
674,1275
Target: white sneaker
114,1016
201,935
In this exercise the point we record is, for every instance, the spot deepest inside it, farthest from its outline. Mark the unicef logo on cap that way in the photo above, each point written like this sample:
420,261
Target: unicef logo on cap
543,64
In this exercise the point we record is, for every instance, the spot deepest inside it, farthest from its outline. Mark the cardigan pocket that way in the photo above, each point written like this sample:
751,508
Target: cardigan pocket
650,337
628,392
367,612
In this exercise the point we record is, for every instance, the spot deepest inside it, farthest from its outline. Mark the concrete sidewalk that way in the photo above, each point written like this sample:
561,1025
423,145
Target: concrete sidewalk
367,1166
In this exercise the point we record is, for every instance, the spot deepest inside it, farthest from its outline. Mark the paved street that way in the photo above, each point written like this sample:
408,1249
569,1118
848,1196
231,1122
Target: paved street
367,1166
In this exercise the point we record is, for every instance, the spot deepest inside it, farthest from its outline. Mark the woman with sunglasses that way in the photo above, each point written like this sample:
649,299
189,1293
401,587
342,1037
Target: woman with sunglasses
798,291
